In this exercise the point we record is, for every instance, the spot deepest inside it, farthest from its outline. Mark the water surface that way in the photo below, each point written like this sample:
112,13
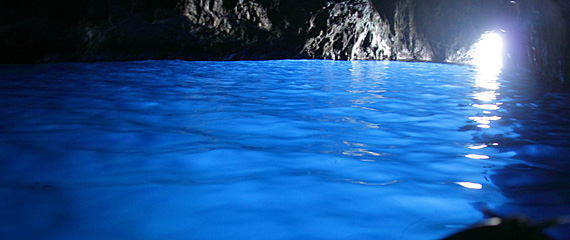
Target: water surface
274,150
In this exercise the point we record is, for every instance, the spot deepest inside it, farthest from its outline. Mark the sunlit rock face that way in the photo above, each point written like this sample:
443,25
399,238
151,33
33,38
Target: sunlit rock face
351,30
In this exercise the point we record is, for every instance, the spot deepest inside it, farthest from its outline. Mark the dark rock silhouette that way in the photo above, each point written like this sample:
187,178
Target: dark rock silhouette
35,31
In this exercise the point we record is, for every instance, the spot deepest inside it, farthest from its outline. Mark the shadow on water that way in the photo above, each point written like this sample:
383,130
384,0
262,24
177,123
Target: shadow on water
532,125
35,210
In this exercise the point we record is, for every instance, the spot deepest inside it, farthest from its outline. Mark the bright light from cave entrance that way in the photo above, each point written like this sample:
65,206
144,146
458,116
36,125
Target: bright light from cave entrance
488,55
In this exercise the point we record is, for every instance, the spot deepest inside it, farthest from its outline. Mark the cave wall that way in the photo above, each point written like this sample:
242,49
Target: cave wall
442,30
537,32
36,31
350,30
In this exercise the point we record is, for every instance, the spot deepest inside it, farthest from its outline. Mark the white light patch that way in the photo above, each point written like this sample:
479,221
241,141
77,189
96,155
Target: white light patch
478,146
488,54
485,120
486,96
476,156
470,185
487,106
487,78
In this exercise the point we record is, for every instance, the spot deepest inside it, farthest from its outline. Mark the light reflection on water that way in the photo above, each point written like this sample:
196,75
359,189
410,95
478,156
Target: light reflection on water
487,84
270,149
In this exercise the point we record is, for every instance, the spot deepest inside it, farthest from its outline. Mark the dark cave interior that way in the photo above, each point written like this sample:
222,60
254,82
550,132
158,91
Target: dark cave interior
534,32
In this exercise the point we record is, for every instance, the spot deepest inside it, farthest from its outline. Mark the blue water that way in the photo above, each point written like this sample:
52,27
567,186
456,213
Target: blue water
275,150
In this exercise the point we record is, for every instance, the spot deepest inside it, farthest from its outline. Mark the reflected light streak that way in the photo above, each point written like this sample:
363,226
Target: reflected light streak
478,146
358,152
488,80
487,106
349,180
488,60
486,96
470,185
485,120
481,146
476,156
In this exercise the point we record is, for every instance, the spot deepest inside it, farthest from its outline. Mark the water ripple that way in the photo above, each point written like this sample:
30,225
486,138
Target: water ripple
309,148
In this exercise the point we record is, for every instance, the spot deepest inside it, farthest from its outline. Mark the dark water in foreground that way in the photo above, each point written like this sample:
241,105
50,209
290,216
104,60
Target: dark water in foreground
274,150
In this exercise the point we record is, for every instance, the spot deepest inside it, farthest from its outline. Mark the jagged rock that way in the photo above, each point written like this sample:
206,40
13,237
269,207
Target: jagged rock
409,44
349,30
231,30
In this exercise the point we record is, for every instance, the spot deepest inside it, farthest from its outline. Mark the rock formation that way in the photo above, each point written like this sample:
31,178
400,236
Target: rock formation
348,30
36,31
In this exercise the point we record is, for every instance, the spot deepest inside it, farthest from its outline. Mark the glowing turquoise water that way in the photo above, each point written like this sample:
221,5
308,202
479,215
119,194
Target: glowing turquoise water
274,150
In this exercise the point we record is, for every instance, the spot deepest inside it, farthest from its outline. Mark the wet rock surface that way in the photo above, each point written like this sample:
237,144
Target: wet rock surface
348,30
412,30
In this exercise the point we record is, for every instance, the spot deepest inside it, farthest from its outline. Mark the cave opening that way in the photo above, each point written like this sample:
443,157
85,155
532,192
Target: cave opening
488,52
